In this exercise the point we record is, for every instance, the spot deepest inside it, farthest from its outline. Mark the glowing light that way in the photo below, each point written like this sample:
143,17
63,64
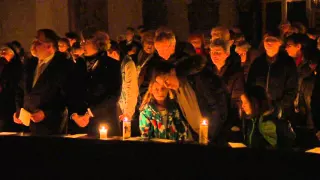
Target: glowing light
103,132
204,122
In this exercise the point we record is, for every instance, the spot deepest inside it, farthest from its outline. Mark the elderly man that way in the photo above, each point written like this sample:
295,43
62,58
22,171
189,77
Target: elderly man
200,93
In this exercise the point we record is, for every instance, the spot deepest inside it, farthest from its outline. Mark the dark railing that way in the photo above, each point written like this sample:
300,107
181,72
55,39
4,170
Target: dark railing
31,157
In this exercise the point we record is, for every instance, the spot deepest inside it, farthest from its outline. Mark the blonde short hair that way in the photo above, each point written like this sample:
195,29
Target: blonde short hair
163,34
221,32
99,38
148,36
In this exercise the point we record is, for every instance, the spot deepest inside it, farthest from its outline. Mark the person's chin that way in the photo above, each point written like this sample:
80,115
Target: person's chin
161,98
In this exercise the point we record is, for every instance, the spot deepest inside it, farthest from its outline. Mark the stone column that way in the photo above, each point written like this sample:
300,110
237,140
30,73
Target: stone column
264,17
52,14
228,14
284,10
122,14
17,21
178,18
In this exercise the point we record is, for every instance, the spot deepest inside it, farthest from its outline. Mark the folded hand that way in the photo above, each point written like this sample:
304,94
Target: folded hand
38,116
81,121
16,120
121,117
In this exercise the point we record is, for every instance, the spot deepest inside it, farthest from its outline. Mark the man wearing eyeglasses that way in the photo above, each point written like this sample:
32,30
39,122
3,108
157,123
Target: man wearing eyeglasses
48,87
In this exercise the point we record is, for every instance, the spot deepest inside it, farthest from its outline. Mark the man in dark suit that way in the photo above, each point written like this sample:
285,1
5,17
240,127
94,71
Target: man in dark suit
48,87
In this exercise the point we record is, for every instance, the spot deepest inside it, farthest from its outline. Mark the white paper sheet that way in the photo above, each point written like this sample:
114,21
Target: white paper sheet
162,140
237,145
133,139
75,135
7,133
25,117
314,150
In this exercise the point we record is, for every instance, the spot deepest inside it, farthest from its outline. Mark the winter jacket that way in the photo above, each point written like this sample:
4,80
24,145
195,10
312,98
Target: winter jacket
269,131
279,78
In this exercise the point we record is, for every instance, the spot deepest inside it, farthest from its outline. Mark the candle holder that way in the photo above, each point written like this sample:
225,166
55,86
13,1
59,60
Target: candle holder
126,128
103,133
203,135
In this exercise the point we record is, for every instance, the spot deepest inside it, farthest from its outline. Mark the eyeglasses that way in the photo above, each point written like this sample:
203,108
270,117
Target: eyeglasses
271,39
149,42
39,42
216,53
62,45
289,45
85,42
6,50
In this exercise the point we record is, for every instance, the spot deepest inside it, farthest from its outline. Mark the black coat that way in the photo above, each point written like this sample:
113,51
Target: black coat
55,90
304,101
279,79
315,101
233,77
212,98
10,75
103,88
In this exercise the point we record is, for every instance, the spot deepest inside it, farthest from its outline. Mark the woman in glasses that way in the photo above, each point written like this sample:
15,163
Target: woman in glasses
102,78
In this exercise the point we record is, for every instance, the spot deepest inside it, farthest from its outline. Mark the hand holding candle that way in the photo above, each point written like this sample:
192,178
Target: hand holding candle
103,133
203,135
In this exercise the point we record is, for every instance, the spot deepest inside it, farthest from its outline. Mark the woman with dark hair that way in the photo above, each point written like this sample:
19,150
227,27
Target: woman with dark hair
10,74
263,125
197,41
76,51
19,49
64,45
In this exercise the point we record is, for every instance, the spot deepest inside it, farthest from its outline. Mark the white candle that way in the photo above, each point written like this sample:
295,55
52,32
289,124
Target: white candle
126,128
103,133
203,135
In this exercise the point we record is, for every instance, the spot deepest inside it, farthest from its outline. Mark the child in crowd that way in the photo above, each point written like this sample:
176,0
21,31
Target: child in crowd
160,116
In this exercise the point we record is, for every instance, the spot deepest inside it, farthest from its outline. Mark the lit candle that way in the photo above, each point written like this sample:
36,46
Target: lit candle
203,135
126,128
103,133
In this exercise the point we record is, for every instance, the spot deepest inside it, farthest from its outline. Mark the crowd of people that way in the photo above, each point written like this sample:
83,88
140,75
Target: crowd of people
266,97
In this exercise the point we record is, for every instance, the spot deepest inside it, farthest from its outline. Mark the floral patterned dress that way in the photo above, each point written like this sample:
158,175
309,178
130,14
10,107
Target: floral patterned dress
152,125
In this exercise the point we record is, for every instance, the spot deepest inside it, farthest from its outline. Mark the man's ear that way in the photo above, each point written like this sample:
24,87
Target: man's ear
50,45
299,46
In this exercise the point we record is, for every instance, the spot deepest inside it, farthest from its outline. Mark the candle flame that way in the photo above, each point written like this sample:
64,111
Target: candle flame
125,119
204,122
103,128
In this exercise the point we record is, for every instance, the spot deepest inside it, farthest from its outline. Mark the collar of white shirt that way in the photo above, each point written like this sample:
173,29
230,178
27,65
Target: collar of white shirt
46,60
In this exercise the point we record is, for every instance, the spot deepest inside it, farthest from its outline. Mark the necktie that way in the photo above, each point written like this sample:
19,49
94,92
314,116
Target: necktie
39,71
